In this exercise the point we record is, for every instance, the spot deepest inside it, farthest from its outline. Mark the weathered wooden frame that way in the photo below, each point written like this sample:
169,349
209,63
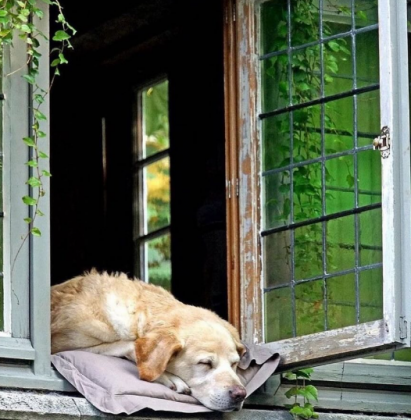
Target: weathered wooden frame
245,286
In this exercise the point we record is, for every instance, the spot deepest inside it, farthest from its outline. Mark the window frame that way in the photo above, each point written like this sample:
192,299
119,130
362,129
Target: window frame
390,332
140,238
25,344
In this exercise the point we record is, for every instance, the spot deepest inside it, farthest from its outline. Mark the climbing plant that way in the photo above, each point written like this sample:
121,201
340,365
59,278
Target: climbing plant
18,24
303,394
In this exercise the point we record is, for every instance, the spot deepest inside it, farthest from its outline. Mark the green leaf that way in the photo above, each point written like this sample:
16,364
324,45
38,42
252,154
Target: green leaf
36,231
30,201
23,19
62,59
33,182
39,13
334,45
30,79
43,155
46,173
292,392
303,412
3,13
25,12
39,212
350,180
57,72
309,392
55,62
39,115
304,373
41,134
38,98
61,36
32,163
29,141
28,219
48,2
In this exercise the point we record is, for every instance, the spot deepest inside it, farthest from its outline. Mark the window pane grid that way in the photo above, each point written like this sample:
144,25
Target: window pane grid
323,239
152,186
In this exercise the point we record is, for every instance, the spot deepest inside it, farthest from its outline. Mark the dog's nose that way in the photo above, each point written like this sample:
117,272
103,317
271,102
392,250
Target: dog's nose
237,393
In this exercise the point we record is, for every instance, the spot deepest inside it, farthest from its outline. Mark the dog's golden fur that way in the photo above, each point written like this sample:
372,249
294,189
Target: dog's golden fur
187,348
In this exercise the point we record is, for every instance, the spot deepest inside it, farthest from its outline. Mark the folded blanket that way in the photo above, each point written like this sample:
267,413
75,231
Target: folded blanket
112,385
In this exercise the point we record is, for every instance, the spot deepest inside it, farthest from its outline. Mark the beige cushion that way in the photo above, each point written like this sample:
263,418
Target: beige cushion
112,385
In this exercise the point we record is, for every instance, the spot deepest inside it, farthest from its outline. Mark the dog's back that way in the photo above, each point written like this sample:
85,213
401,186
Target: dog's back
99,307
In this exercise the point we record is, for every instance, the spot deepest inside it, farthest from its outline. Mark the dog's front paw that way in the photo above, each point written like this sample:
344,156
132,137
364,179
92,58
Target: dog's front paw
173,382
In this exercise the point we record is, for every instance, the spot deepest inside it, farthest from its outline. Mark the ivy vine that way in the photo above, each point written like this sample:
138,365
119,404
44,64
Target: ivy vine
302,393
18,20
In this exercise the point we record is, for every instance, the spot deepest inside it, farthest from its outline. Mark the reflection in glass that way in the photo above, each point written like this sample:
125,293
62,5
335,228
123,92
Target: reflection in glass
371,299
341,302
308,251
278,314
340,184
277,255
155,119
277,209
158,257
370,237
309,307
340,240
157,198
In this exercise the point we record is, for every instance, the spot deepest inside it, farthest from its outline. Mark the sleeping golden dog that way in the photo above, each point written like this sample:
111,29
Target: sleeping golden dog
189,349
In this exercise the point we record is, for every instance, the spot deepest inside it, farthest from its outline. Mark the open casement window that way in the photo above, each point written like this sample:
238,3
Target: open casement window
25,280
152,185
320,152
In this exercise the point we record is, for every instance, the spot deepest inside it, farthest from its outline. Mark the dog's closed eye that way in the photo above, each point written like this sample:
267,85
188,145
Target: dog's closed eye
206,363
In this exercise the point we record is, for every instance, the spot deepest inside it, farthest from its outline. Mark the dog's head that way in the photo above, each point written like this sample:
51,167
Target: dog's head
204,354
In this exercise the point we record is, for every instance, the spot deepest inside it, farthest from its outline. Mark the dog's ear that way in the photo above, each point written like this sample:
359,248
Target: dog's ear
241,349
154,351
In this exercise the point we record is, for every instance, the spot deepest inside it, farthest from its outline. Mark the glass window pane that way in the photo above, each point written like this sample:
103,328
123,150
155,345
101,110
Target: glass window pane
155,119
308,252
340,246
370,245
318,162
368,69
277,203
341,301
275,132
158,254
278,314
157,198
371,300
309,307
340,184
277,254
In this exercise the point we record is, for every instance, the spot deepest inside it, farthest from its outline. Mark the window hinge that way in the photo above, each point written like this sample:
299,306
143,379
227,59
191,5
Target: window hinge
233,184
383,142
403,328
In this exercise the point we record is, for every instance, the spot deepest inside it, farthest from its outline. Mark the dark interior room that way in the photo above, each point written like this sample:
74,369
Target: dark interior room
116,50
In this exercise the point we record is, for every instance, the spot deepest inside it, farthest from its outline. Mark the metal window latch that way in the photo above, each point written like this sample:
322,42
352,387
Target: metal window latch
383,142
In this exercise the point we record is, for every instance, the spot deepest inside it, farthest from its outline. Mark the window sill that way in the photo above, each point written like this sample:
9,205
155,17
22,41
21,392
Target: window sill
18,404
